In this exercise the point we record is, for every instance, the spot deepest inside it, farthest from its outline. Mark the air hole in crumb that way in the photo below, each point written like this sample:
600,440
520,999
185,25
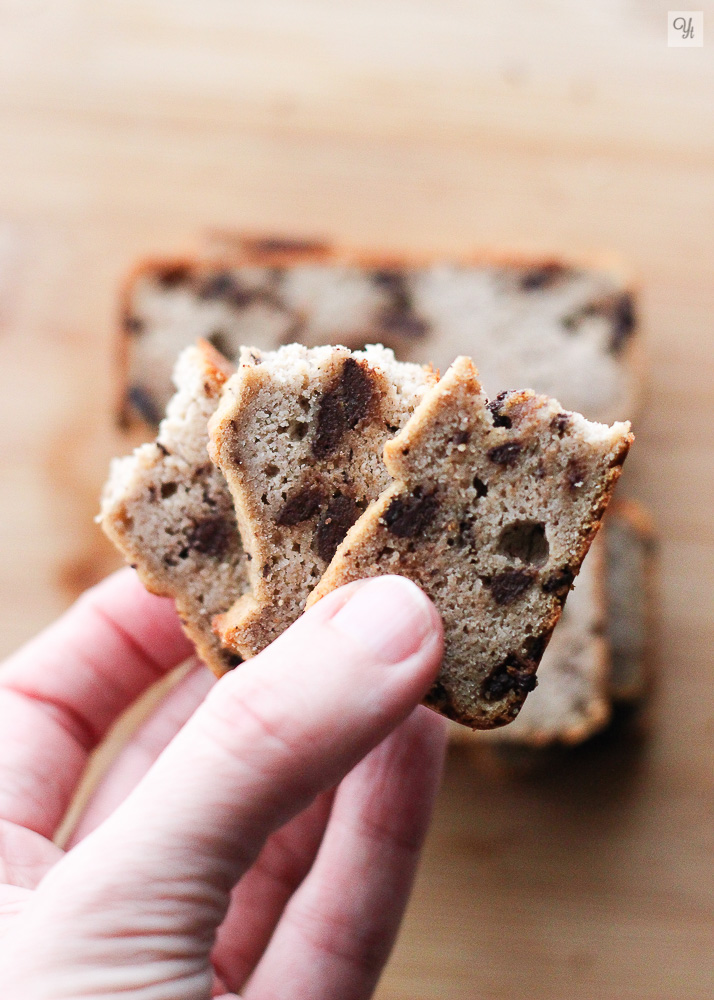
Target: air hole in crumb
296,546
271,470
480,487
525,540
298,429
168,490
264,498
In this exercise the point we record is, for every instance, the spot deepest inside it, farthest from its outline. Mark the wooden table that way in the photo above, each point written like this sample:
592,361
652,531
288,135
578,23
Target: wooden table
128,127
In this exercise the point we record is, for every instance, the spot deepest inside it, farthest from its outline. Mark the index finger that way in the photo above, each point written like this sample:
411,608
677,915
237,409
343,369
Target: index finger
61,692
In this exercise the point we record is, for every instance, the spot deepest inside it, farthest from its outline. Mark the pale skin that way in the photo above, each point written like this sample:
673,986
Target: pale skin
258,836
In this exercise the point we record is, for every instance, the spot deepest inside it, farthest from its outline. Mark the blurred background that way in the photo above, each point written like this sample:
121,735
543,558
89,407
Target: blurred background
133,128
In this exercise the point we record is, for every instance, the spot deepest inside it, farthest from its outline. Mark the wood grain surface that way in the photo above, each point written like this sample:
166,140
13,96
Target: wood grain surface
130,127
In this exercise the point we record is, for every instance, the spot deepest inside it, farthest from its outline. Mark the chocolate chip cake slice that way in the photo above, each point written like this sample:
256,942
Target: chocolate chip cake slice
168,510
565,328
298,436
492,511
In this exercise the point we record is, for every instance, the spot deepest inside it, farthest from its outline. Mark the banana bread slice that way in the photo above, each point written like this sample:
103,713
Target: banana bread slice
168,510
298,436
567,329
493,508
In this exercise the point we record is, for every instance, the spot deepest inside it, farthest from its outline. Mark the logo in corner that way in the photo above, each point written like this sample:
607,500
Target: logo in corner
685,28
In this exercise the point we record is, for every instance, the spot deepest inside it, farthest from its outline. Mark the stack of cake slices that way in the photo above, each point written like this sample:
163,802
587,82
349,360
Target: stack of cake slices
243,539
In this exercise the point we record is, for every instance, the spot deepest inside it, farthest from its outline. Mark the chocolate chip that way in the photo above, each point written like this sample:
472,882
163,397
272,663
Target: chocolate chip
560,423
618,310
623,321
439,698
515,674
232,660
559,583
403,324
525,540
409,514
398,316
575,474
301,506
461,437
480,487
171,275
341,514
210,537
536,645
507,586
495,406
133,325
506,454
168,490
219,340
343,406
544,276
142,401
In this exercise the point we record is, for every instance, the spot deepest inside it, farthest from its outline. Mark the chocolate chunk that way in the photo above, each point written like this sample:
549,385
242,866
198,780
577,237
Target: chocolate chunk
403,324
341,514
495,406
301,506
142,401
132,324
461,437
168,490
210,537
439,698
515,674
545,276
219,340
171,275
536,645
623,321
506,587
221,285
505,454
618,310
480,487
559,583
232,660
575,474
560,423
525,540
408,515
398,316
342,407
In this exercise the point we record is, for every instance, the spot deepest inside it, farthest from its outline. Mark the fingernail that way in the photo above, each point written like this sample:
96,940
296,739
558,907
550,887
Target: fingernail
388,615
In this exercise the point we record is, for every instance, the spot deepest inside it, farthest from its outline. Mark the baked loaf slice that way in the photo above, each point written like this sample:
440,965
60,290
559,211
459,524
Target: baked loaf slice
493,508
168,510
565,329
630,545
298,436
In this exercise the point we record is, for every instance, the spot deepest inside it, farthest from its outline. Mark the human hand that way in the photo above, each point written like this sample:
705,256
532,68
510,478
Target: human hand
265,842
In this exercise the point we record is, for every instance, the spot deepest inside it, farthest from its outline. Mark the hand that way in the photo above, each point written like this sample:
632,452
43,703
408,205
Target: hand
265,842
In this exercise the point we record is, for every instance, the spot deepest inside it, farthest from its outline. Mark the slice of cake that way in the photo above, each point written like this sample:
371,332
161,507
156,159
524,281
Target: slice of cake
299,435
168,510
564,329
493,508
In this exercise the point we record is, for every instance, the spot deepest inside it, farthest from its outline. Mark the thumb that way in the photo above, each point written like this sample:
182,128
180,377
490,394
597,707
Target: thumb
269,737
